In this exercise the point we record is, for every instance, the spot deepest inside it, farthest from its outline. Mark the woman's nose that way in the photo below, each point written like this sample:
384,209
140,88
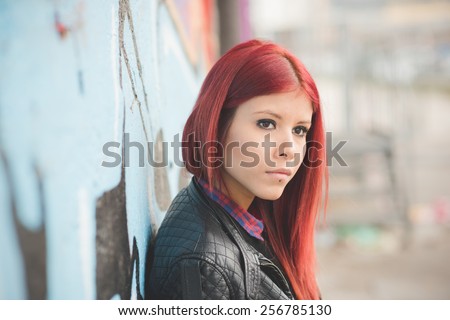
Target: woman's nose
285,147
286,150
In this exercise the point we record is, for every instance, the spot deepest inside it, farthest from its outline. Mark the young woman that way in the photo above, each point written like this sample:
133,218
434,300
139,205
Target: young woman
255,145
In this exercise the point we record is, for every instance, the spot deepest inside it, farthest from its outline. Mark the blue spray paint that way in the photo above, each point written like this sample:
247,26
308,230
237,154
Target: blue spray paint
76,75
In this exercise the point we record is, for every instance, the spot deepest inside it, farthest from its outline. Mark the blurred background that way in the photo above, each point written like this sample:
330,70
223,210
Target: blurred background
383,72
75,75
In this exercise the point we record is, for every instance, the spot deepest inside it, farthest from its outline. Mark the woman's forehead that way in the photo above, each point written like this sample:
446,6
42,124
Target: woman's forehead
278,104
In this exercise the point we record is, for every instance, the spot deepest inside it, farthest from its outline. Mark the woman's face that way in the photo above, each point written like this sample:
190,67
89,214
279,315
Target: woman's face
265,145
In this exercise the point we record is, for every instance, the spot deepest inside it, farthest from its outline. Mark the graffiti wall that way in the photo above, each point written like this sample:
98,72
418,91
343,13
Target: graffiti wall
92,96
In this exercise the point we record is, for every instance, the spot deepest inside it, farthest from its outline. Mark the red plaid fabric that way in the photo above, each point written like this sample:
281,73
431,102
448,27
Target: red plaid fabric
253,226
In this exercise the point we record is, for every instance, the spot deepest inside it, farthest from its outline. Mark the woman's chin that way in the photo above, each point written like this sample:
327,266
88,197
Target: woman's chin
272,195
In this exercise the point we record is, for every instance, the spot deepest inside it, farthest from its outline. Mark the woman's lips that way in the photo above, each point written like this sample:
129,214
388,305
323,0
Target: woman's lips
279,173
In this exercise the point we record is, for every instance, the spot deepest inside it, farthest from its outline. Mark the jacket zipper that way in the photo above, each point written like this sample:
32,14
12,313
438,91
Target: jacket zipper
267,263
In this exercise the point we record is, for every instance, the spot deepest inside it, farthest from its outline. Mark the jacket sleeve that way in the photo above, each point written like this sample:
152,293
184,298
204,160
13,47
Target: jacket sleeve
196,279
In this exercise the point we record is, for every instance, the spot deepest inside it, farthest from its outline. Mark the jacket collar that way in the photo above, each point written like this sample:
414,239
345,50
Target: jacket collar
245,219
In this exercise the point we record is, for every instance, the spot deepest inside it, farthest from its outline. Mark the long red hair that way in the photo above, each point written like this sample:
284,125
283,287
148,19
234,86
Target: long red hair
251,69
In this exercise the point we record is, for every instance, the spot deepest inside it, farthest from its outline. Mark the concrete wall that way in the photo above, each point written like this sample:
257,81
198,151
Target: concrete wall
74,76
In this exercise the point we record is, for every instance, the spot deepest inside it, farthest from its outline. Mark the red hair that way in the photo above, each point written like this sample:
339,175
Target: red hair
251,69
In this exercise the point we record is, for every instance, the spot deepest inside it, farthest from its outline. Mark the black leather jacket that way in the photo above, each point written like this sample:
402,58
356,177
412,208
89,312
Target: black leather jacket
201,252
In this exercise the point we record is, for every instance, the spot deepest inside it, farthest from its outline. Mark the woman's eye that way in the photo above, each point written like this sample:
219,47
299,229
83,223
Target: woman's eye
300,131
266,124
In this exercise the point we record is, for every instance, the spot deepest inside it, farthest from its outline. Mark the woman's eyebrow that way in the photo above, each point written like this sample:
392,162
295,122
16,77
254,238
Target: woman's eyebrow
276,115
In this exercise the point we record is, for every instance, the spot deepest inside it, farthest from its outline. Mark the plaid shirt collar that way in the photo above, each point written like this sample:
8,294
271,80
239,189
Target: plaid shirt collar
253,226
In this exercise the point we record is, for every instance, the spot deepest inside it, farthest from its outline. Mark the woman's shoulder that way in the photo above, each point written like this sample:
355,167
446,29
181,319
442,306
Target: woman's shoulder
183,223
191,229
